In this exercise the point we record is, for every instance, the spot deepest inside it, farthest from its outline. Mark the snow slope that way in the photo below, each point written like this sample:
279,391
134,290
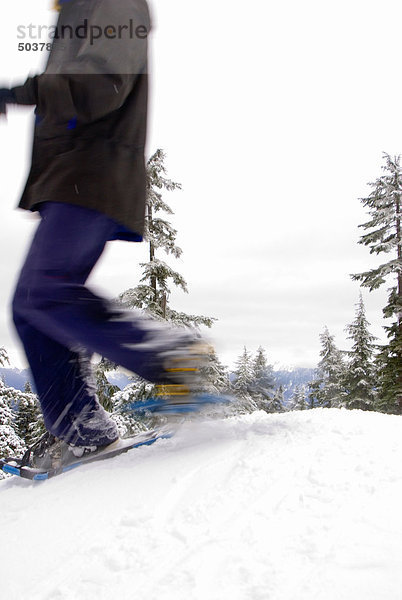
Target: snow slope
261,507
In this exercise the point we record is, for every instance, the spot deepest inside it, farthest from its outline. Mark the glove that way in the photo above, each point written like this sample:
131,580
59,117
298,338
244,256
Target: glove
6,97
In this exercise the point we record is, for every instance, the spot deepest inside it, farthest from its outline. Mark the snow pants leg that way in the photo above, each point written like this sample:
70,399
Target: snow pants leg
61,322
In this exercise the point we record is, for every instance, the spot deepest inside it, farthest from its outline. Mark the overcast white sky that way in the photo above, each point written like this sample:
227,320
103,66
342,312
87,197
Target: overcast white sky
274,116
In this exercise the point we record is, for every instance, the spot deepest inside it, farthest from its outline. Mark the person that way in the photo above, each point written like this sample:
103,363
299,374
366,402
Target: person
88,183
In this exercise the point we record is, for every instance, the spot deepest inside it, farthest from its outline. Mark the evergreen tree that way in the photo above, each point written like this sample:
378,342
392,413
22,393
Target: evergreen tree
244,374
327,388
278,401
389,369
28,388
298,399
153,292
127,422
262,388
6,411
104,389
10,442
385,237
214,375
360,378
28,419
21,422
244,378
3,357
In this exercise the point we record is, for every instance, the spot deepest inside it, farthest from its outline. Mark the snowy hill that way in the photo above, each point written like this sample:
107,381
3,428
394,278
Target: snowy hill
296,506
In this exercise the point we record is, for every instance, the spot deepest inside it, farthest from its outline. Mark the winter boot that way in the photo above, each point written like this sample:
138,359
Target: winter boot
183,373
92,427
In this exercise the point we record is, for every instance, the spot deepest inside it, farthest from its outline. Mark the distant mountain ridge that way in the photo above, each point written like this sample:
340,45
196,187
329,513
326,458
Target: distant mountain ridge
289,379
16,378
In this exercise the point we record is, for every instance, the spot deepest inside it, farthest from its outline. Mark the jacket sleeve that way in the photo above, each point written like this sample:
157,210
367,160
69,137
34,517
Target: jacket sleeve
27,93
102,72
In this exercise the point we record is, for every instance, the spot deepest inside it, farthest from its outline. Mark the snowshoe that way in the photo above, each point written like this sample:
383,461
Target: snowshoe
48,454
52,453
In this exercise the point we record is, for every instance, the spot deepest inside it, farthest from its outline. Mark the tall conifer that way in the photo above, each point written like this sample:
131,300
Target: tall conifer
327,388
360,377
152,294
384,236
262,387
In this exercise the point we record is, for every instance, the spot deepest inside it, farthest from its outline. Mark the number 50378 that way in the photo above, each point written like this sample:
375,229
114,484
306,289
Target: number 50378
34,46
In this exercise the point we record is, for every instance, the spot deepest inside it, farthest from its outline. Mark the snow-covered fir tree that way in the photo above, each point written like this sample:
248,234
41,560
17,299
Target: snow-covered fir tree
389,369
3,356
10,442
28,388
278,401
360,377
104,389
254,384
215,376
298,400
242,384
130,423
327,389
152,294
384,236
262,388
117,401
28,419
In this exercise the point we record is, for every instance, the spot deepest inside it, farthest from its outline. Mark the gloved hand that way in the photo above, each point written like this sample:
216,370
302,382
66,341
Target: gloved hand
6,97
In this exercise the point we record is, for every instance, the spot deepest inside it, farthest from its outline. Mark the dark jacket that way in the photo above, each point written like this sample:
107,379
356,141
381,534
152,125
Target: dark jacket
91,110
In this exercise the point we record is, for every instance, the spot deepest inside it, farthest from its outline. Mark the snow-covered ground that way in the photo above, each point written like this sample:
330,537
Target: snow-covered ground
298,506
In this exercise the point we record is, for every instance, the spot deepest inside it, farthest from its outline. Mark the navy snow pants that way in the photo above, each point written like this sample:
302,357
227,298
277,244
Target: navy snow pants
61,323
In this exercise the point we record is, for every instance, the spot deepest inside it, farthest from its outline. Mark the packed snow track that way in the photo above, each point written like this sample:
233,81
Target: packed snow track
296,506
